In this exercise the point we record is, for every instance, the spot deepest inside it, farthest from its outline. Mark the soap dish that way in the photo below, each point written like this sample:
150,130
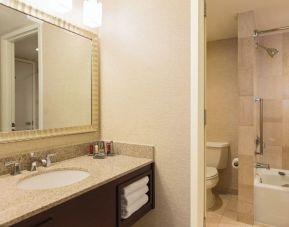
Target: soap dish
99,156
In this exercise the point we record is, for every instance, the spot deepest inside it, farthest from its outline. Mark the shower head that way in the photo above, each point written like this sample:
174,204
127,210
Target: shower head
271,51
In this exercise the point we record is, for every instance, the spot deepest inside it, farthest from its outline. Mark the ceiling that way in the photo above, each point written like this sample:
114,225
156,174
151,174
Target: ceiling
222,16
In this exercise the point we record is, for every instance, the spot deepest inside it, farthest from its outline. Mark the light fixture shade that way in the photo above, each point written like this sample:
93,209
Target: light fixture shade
92,13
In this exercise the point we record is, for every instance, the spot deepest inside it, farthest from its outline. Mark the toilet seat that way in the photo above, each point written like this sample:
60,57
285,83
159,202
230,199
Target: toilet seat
211,172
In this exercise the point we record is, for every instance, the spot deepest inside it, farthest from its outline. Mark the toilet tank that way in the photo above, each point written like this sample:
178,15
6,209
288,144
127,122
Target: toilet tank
217,154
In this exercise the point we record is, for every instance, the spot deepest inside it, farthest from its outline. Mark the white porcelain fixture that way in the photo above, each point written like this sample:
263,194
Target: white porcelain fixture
271,196
216,158
52,179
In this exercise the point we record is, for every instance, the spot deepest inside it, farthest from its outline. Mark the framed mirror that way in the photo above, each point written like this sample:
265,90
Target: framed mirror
49,75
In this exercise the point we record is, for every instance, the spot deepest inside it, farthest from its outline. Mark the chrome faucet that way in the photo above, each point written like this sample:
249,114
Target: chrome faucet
15,167
34,161
260,165
34,164
44,162
48,159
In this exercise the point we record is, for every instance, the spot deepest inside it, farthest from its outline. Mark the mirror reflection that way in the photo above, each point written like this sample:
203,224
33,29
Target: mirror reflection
45,74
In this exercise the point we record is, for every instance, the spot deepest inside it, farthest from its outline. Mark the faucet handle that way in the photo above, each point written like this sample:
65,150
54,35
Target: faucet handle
48,160
262,165
33,166
16,167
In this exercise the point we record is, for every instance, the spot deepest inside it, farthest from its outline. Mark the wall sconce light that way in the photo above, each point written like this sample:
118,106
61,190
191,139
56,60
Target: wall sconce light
92,13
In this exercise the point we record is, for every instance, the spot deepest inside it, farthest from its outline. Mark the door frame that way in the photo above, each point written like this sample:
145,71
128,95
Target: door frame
197,113
34,113
7,63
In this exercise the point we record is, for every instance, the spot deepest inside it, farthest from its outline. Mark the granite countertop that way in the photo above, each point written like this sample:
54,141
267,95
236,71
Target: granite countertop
18,204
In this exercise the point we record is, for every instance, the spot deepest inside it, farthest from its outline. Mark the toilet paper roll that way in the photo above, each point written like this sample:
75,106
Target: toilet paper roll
235,163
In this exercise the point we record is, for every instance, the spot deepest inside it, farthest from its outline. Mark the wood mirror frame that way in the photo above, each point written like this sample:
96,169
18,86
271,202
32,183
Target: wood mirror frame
8,137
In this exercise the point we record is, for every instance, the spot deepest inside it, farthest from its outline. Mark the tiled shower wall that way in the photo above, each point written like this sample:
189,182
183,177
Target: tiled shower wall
246,131
268,78
273,87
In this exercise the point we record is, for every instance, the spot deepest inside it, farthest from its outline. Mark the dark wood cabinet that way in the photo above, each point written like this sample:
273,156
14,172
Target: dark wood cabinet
99,207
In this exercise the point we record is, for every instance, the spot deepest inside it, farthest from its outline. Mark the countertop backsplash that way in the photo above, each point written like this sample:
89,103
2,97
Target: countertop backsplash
68,152
62,153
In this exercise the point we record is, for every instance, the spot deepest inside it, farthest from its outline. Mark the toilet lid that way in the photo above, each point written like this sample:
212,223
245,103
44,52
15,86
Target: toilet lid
211,172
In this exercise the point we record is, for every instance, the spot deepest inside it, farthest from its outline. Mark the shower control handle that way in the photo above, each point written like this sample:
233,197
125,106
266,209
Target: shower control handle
259,139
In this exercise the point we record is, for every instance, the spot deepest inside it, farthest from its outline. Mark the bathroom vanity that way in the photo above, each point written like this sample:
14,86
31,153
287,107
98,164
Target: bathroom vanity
94,201
62,103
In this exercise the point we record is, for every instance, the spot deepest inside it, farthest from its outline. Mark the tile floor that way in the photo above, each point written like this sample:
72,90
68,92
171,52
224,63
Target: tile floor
224,213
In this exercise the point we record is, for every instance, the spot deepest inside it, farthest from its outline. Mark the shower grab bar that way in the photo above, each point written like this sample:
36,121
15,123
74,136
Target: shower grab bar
260,139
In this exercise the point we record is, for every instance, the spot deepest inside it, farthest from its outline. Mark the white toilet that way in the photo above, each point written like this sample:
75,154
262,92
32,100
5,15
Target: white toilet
216,158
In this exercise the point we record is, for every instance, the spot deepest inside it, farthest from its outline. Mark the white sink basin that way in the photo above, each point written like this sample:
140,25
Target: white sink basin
53,179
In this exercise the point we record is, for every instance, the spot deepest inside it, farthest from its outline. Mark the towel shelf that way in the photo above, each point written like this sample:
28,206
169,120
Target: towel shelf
145,208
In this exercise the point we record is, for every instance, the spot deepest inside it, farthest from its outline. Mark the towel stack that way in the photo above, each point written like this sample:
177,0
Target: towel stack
133,197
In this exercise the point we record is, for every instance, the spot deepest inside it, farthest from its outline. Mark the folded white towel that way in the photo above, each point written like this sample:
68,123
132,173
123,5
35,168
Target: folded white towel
127,211
135,186
127,200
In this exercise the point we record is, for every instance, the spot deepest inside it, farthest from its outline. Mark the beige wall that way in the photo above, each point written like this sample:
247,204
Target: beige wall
145,81
222,104
66,78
